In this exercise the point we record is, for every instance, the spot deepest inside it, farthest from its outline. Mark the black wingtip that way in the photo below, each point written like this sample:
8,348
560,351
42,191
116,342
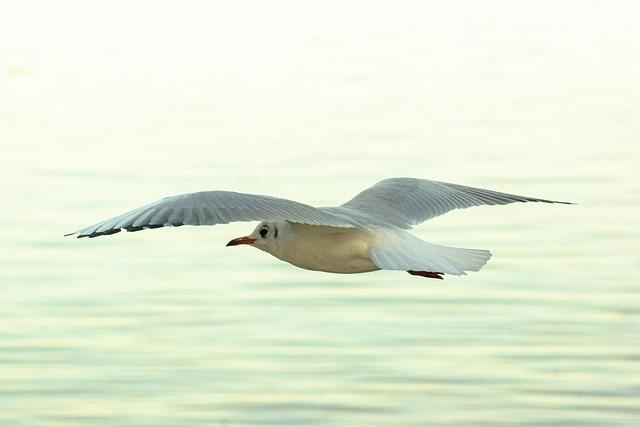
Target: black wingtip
551,201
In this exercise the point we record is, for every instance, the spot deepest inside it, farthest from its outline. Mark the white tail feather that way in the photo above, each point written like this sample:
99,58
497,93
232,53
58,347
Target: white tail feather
464,259
400,250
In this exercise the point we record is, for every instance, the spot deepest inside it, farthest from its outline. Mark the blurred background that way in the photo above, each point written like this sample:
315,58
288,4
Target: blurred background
108,106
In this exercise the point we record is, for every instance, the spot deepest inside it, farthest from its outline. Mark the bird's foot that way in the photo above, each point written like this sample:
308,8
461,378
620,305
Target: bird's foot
429,274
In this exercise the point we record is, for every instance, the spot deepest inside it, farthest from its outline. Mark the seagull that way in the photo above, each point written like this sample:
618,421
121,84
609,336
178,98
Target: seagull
367,233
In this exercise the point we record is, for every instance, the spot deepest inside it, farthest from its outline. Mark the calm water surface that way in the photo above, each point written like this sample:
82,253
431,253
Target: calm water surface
103,112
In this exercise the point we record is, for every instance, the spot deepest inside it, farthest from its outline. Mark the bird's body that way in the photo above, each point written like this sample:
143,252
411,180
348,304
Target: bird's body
367,233
330,249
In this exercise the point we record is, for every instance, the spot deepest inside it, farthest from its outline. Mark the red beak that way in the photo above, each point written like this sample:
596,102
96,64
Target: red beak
245,240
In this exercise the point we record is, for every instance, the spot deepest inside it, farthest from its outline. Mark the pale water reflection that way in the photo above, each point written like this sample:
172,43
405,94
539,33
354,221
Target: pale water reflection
102,113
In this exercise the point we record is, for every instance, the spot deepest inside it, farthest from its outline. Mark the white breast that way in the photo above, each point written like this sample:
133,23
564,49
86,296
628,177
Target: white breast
334,250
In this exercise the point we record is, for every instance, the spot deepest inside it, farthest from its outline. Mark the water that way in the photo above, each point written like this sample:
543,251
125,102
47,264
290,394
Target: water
103,111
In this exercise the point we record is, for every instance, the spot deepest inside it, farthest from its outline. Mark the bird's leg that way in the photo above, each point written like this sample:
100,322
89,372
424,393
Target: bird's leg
429,274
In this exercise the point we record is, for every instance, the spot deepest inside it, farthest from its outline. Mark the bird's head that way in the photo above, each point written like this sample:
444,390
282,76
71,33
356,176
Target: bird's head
266,236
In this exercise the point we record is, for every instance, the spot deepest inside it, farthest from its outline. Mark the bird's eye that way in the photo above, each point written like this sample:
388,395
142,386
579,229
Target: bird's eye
263,232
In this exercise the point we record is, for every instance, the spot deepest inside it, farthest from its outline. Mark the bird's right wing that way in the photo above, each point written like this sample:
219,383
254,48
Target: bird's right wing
405,202
213,207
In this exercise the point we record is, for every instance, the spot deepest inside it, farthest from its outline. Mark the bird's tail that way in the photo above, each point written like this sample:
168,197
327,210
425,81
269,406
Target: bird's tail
462,258
399,250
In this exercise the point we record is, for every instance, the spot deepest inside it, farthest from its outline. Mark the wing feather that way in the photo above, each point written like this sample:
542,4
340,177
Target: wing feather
405,202
214,207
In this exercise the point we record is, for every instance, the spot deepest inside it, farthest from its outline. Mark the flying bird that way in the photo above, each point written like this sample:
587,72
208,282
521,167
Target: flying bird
367,233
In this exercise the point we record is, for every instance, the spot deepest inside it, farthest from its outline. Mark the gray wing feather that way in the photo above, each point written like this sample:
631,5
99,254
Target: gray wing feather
213,207
405,202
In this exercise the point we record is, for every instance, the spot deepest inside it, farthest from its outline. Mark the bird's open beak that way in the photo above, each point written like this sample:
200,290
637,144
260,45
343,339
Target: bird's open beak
245,240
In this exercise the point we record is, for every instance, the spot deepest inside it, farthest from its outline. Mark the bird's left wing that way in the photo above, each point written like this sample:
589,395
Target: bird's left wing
213,207
405,202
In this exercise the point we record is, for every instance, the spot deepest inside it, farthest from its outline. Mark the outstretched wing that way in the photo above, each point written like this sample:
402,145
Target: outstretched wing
212,207
405,202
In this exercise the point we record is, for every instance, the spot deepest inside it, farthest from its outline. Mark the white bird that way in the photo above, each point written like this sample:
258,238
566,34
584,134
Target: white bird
367,233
